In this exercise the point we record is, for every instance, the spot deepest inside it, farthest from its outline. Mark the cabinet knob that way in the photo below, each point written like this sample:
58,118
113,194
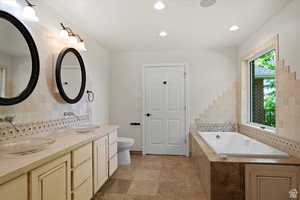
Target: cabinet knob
293,194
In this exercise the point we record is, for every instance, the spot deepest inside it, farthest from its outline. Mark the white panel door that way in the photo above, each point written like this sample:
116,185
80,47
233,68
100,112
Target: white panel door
164,105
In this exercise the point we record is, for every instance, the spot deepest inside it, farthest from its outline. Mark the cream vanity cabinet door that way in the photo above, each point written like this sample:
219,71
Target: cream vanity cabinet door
16,189
52,181
271,182
82,173
100,162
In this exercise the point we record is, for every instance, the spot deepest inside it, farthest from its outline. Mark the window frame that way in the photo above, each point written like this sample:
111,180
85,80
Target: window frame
244,97
250,79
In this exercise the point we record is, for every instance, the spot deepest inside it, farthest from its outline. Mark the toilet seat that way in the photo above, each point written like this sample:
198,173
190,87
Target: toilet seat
124,143
125,140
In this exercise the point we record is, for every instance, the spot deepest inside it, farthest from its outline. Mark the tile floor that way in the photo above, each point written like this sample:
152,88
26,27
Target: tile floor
154,178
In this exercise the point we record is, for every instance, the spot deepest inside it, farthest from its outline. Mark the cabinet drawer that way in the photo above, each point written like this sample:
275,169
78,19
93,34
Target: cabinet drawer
113,137
84,191
82,154
81,173
113,149
113,164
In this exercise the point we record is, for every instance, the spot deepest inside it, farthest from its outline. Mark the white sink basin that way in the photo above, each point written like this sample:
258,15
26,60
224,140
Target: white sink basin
25,145
85,128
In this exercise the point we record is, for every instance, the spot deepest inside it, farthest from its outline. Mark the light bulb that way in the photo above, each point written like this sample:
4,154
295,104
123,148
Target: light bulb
72,39
81,46
9,2
64,34
29,14
163,34
159,5
234,28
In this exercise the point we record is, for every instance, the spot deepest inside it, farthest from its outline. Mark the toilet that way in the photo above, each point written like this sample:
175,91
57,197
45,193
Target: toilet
124,145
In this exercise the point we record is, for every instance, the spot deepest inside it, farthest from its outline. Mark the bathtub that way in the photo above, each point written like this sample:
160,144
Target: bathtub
235,144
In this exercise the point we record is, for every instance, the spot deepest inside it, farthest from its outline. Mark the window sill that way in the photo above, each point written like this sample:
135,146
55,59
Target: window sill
257,126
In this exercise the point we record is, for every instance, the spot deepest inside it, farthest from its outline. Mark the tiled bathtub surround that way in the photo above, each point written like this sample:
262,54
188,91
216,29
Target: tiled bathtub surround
287,103
223,108
216,127
26,129
272,139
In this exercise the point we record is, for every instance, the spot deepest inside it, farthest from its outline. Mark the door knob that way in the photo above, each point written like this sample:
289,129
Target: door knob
148,114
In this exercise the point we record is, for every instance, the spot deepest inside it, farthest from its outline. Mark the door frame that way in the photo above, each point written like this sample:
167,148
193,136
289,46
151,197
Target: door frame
186,100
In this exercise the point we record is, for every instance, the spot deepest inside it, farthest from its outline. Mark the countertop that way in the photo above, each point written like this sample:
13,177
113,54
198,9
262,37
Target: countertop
12,166
213,157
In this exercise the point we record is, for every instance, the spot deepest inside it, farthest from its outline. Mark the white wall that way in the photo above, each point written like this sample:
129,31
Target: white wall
5,59
42,104
211,72
286,23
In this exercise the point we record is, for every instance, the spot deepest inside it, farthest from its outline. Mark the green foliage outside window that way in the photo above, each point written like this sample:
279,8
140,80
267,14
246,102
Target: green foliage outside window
268,61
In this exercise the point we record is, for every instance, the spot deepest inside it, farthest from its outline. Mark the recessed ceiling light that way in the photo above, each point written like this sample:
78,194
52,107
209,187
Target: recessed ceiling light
163,34
159,5
207,3
234,28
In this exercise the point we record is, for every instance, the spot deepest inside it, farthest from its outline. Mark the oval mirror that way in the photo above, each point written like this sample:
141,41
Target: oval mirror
19,61
70,75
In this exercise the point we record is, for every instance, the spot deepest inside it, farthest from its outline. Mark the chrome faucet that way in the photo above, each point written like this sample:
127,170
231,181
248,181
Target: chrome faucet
10,120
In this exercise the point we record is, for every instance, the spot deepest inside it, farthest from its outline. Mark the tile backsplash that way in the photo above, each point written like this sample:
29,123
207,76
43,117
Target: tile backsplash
7,131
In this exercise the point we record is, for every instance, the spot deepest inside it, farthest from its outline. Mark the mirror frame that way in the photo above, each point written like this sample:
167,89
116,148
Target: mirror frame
34,59
58,75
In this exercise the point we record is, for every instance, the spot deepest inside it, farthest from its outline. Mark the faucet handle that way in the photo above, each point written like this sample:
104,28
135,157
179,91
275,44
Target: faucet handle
10,118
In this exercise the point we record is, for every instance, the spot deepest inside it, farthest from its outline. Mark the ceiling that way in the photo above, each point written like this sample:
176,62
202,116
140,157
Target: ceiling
133,25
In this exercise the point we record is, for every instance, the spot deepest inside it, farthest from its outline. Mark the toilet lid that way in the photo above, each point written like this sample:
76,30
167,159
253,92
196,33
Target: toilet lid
126,140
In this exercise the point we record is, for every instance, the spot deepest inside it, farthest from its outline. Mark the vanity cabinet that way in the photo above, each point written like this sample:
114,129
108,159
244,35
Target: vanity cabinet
271,182
82,173
76,175
100,162
15,189
113,152
52,180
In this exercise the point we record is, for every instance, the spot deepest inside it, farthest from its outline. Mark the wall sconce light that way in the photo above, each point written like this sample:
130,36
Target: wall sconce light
72,37
64,33
81,44
29,12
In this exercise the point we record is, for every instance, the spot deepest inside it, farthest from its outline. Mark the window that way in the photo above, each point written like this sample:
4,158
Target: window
263,89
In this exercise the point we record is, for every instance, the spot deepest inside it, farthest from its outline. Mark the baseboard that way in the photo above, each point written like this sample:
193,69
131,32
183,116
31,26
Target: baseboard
140,153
